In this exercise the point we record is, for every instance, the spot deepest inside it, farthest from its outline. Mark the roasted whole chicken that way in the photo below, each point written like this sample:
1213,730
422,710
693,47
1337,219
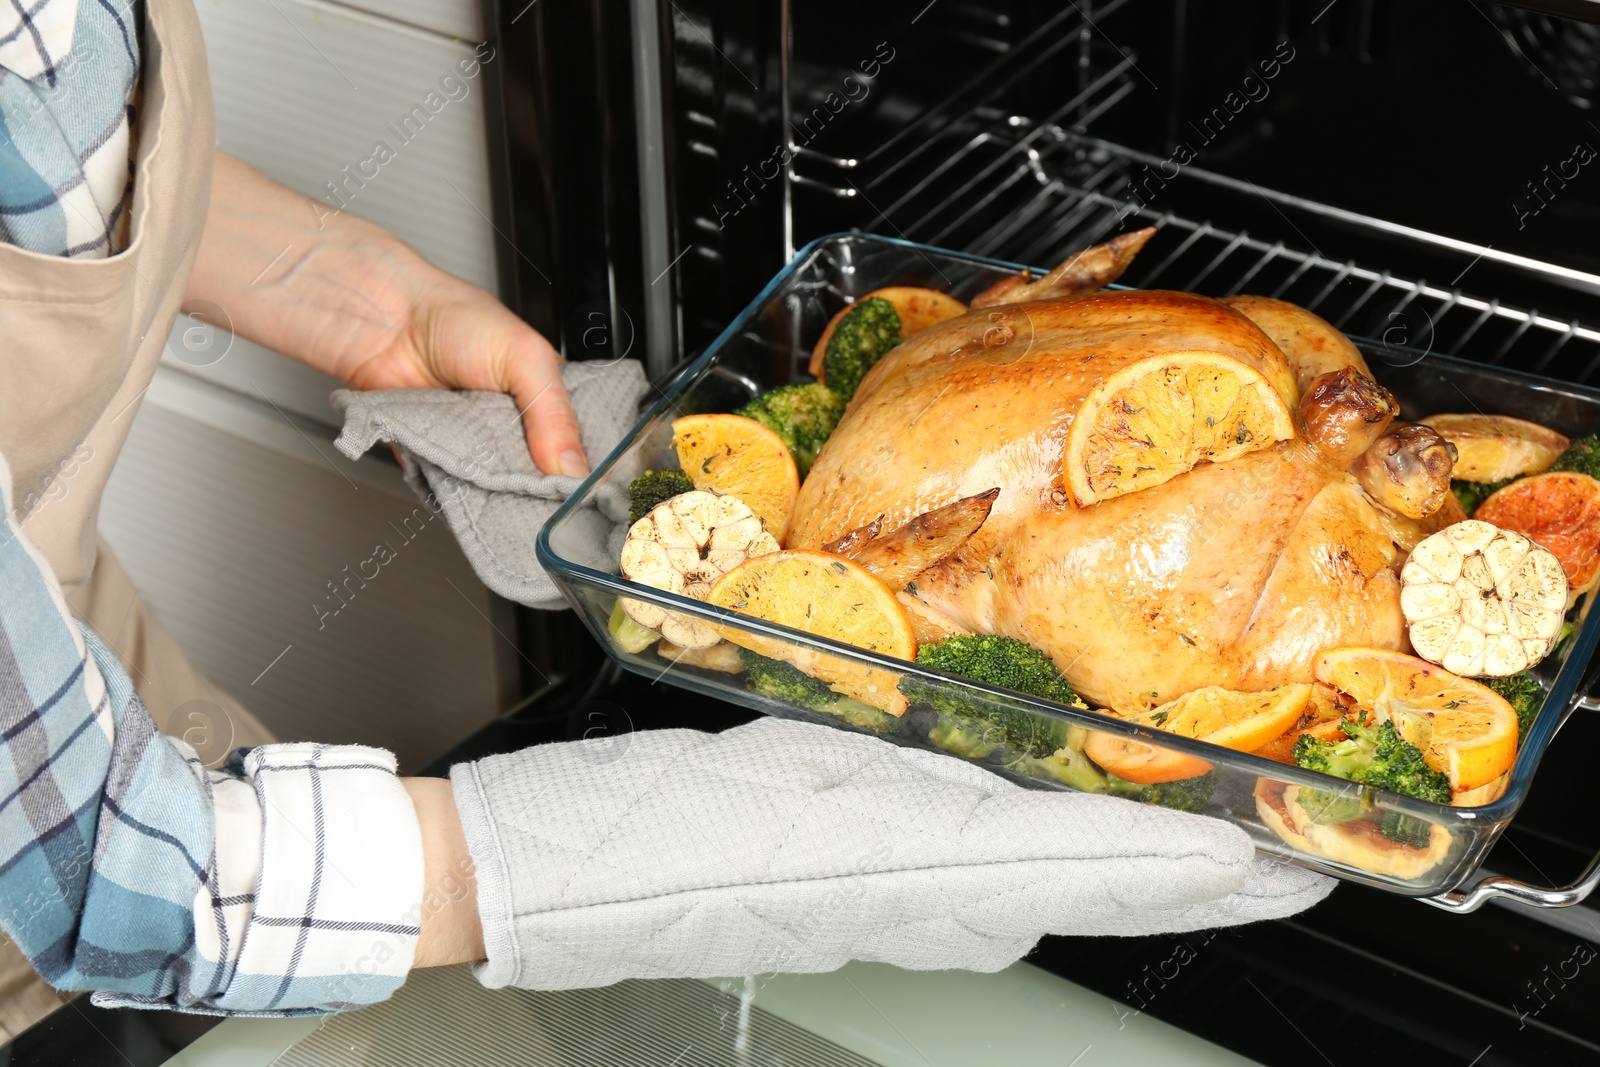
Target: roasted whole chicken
1277,503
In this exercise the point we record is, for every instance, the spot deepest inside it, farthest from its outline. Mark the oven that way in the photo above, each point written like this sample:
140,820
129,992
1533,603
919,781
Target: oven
1422,173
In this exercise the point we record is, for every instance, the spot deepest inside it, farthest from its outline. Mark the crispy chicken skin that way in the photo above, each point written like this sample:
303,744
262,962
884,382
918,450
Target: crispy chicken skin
986,400
1232,574
1085,272
898,557
1311,343
1407,470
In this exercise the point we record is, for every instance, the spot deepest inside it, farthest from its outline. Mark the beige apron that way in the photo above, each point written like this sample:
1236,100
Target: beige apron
79,342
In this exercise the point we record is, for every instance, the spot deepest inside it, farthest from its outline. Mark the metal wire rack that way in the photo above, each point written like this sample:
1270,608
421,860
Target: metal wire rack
1033,189
1406,314
1060,59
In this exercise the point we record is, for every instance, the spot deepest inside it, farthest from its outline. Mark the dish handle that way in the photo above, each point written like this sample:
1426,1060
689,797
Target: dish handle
1492,886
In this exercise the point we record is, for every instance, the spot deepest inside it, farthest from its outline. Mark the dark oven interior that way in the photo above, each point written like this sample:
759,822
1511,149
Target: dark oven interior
1419,172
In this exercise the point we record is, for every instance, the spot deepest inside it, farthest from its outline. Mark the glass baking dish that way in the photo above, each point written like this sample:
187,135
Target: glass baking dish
768,344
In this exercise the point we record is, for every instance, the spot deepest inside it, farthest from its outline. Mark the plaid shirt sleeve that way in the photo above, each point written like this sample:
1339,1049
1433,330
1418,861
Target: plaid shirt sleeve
69,95
287,883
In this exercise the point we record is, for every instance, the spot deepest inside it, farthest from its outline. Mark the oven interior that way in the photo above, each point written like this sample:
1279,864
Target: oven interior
1419,172
1424,173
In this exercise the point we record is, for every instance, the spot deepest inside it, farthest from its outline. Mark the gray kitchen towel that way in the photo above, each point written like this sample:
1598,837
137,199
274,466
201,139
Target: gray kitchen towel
466,455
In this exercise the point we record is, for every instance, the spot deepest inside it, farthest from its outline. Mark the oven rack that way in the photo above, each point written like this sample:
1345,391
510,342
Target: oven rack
939,140
968,173
1031,192
1102,80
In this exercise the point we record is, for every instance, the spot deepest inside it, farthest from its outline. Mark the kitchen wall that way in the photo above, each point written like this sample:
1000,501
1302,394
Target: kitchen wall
230,507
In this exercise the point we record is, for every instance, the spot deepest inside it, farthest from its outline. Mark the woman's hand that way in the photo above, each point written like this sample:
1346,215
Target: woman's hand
352,300
452,335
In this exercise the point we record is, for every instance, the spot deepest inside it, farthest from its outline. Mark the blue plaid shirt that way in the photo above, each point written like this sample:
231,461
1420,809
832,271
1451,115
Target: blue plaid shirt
288,882
69,89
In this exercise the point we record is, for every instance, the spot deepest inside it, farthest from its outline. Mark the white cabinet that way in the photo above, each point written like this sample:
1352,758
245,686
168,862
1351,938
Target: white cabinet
453,18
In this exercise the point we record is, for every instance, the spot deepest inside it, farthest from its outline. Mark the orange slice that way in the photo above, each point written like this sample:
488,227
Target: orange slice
1559,511
1161,416
1464,729
1242,721
918,309
1492,448
829,596
1484,794
736,456
1320,719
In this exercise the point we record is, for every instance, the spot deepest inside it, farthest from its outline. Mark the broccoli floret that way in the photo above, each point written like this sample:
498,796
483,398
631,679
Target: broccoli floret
1069,765
652,488
1039,746
788,684
1375,756
865,716
803,415
1405,829
1327,808
785,682
1473,494
995,660
1000,661
1524,694
977,731
1188,794
1582,455
957,737
869,329
1066,764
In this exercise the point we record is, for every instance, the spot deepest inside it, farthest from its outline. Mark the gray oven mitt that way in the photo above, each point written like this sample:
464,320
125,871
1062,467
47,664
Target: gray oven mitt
786,846
465,453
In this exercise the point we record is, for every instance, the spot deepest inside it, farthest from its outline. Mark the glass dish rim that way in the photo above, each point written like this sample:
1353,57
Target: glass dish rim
1566,686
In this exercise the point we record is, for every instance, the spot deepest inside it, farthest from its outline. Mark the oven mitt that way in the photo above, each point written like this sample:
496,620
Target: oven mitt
465,454
781,846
